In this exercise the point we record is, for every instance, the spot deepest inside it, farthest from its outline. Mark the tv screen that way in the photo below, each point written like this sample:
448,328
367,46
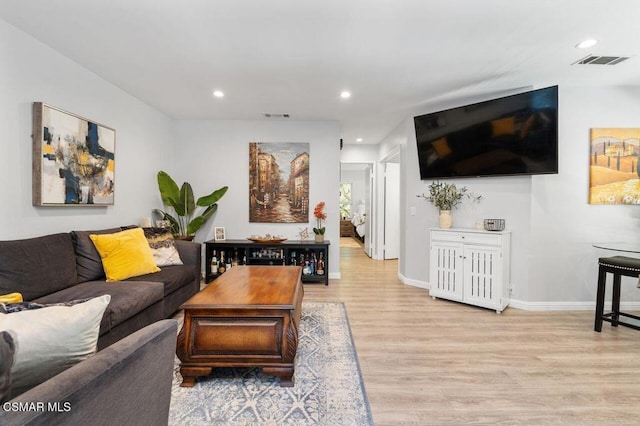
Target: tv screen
513,135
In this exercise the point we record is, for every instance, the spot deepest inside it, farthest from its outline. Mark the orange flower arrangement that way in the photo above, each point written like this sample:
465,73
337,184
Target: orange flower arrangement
320,215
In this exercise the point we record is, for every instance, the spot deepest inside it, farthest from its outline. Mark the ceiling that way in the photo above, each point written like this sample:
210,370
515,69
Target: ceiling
397,58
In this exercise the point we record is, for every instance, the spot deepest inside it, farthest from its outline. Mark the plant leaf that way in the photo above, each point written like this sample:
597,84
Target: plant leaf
186,199
194,225
168,189
209,211
208,200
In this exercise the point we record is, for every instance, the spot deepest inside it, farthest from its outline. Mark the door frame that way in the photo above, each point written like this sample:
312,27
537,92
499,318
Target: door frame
370,236
393,156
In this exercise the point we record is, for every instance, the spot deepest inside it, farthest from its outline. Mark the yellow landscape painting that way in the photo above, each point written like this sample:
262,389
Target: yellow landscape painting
614,170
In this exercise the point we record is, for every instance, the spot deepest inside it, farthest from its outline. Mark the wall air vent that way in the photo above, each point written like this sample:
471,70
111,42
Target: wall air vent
270,115
601,60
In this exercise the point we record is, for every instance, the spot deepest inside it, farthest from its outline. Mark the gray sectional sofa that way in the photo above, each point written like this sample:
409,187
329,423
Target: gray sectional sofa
66,266
129,380
128,383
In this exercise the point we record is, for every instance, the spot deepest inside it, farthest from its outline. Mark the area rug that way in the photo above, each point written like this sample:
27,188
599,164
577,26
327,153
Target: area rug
328,383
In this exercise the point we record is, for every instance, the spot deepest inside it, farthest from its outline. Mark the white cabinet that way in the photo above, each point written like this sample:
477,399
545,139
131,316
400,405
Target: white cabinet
470,266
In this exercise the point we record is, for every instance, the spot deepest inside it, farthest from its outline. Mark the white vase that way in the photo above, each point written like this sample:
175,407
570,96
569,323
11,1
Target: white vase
445,220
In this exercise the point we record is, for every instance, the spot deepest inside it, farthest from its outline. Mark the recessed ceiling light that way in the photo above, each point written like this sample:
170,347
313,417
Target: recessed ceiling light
345,94
585,44
218,93
359,140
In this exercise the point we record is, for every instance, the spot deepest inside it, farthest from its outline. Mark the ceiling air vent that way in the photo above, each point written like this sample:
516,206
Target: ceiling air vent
601,60
270,115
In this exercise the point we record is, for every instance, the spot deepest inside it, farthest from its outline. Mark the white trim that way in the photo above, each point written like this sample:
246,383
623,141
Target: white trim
413,283
568,306
539,306
334,275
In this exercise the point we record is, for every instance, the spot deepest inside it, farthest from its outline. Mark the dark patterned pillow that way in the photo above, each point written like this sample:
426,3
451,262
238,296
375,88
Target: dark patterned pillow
162,246
10,308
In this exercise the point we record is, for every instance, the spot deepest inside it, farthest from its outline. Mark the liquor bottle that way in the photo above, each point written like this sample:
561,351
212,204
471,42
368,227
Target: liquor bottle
214,263
244,259
306,270
320,267
235,261
222,267
312,265
293,258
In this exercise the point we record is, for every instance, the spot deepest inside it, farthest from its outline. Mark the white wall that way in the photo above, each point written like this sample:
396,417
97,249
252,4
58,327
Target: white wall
564,226
216,153
554,265
31,71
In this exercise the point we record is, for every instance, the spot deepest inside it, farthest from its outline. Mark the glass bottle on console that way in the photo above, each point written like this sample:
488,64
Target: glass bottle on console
222,267
320,267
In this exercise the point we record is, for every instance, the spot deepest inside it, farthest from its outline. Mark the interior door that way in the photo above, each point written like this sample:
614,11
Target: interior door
368,203
391,211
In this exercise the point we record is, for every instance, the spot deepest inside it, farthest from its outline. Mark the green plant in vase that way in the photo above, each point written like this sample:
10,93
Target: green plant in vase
186,221
446,197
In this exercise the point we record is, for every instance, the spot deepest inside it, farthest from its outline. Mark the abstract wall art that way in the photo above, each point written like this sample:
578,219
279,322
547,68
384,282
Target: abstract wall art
73,159
278,182
614,170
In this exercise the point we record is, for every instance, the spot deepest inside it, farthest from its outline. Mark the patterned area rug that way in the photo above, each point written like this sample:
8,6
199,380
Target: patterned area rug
328,384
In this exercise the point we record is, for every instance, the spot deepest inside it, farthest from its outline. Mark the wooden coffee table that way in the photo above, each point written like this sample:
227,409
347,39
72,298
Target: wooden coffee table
248,317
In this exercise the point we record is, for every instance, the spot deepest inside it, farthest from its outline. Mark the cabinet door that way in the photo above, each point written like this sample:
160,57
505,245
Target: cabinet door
483,276
446,270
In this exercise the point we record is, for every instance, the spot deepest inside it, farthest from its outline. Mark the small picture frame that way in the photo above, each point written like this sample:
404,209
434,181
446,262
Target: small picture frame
219,234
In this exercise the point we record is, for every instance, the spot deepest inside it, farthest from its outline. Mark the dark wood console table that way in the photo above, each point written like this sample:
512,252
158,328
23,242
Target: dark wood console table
290,252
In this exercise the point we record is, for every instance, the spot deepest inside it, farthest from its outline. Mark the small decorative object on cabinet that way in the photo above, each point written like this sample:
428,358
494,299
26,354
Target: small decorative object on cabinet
470,266
312,256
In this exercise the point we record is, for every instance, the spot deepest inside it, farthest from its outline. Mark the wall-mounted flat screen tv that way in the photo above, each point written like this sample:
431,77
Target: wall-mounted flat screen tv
513,135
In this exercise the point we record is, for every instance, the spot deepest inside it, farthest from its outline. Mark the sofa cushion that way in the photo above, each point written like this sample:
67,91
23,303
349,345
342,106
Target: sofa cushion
7,351
37,266
172,277
125,254
88,261
52,339
127,298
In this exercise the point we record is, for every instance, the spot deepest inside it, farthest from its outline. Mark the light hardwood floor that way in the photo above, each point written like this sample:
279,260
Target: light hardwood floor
435,362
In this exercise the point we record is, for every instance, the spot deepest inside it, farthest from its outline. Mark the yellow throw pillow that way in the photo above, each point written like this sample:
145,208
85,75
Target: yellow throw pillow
11,298
124,254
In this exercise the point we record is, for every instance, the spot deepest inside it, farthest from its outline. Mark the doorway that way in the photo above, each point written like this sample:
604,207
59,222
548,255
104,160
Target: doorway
356,210
391,206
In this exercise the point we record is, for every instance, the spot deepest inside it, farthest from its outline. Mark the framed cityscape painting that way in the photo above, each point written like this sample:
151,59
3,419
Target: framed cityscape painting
614,170
73,159
278,182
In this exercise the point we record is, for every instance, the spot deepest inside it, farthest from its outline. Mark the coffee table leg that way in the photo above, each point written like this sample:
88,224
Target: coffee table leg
285,374
189,375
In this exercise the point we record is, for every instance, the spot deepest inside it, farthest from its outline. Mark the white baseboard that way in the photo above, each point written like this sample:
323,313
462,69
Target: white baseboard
413,283
539,306
568,306
334,275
